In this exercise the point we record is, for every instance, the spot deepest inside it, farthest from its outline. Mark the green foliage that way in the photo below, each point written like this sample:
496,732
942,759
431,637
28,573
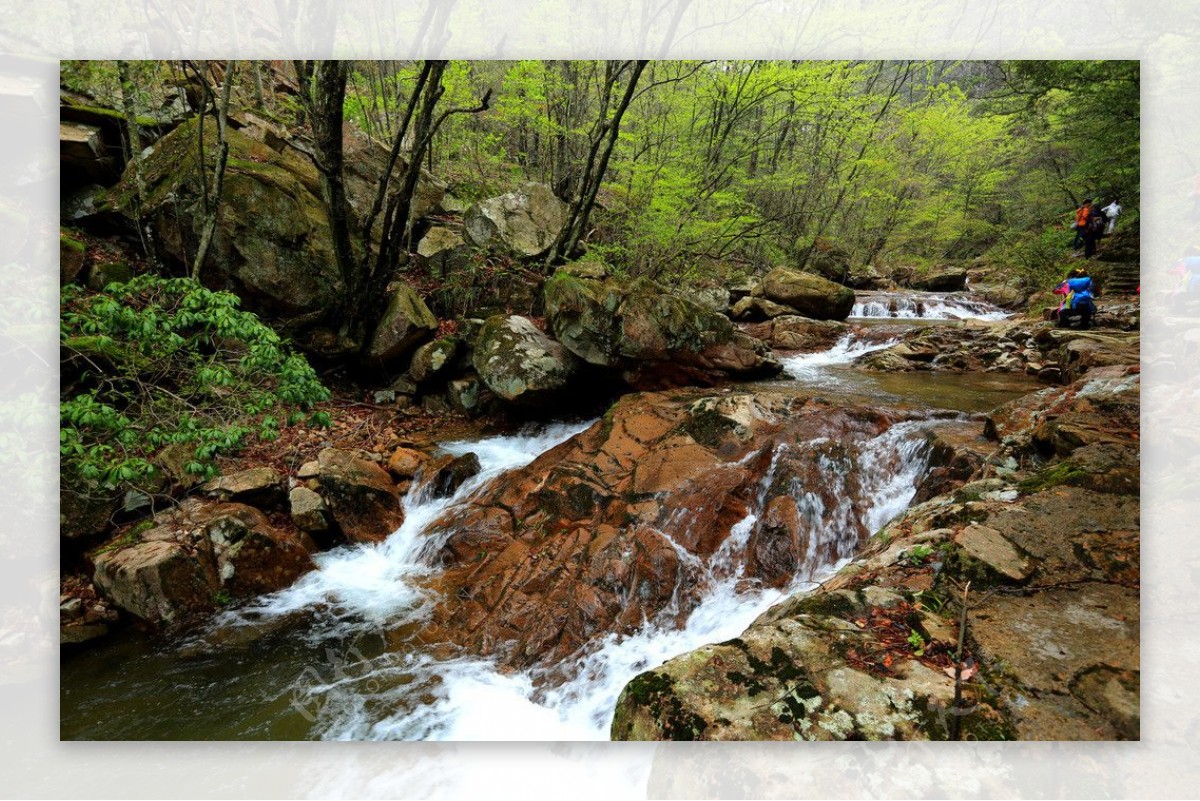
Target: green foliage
917,642
724,168
159,362
916,555
1038,259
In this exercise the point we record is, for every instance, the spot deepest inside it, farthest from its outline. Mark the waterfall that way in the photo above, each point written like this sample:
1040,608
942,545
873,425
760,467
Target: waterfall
339,660
419,696
358,588
924,306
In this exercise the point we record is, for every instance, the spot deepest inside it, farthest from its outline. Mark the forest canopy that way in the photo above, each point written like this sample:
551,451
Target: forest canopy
719,168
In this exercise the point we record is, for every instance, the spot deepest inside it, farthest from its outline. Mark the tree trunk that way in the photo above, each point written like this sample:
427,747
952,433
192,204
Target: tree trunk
210,220
604,139
133,135
323,91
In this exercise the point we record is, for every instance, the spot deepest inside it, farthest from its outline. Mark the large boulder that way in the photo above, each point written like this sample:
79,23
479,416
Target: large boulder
941,279
523,223
366,160
792,332
272,245
194,557
406,323
85,154
656,338
433,359
257,486
520,363
158,581
360,494
810,295
751,309
444,251
614,527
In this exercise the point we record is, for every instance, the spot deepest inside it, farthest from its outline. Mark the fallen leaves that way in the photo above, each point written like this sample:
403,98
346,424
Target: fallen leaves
889,644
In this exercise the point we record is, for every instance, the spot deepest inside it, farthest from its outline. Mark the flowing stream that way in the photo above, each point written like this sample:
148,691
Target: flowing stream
330,657
911,305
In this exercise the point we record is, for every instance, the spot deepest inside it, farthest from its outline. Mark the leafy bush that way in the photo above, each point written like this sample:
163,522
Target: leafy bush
1039,258
155,363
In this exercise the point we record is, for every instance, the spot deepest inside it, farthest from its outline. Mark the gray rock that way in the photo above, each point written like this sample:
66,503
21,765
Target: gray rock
444,251
524,223
256,486
432,359
992,548
753,309
520,363
308,510
406,323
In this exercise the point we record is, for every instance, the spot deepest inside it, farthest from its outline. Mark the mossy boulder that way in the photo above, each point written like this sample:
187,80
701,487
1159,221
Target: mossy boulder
433,359
583,313
71,254
521,364
811,295
272,245
656,338
523,223
941,279
172,573
406,323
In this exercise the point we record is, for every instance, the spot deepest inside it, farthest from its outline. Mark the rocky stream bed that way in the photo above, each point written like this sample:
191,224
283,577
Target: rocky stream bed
782,559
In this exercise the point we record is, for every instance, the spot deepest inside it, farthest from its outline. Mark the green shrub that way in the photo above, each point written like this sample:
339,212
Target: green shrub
159,362
1038,258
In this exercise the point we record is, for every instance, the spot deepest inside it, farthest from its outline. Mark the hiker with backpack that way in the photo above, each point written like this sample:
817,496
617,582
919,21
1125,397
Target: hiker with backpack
1081,218
1093,228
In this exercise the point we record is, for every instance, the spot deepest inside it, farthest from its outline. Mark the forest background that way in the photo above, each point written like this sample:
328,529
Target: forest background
717,168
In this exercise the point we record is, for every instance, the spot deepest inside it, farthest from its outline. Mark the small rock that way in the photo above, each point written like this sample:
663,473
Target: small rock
70,609
384,396
405,462
443,476
308,510
309,470
403,386
993,549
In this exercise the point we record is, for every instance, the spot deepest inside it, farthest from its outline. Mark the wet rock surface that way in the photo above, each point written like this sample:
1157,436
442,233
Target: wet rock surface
192,559
1041,548
618,526
362,499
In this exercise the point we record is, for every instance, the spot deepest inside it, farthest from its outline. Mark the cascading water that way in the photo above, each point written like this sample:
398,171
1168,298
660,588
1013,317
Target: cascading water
417,696
924,306
345,666
360,587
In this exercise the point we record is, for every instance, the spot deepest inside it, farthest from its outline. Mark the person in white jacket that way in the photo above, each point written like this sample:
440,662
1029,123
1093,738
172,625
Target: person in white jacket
1111,211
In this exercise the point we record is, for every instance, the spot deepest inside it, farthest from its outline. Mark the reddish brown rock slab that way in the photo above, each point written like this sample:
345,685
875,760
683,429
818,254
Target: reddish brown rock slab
610,529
